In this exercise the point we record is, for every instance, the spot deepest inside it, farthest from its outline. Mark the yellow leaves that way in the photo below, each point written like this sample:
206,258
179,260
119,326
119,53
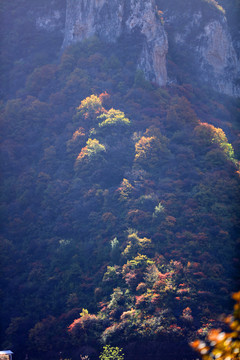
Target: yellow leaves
125,189
151,149
221,139
145,242
136,245
159,210
110,352
92,112
207,134
235,325
84,312
146,151
94,147
113,117
91,150
90,106
142,147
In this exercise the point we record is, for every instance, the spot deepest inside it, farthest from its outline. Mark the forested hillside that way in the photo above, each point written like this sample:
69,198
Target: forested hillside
119,198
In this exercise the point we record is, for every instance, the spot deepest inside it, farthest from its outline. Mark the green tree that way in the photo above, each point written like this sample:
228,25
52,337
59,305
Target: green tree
151,150
206,135
113,118
136,245
90,151
111,353
90,108
159,210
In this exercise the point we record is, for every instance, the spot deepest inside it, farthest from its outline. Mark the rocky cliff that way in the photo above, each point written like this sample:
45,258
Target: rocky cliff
109,19
219,61
192,34
198,33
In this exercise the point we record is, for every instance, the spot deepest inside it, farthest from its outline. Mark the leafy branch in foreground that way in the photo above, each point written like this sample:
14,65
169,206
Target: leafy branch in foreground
219,344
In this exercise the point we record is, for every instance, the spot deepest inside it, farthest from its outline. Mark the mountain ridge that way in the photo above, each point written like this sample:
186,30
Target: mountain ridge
213,58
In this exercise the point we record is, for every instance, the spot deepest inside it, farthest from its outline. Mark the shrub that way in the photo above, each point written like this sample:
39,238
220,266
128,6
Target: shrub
111,353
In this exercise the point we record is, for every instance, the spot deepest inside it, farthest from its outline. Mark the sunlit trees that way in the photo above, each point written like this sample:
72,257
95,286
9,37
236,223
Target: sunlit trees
91,152
85,328
143,148
108,138
220,139
113,118
151,150
136,245
125,190
111,353
158,210
173,182
90,108
206,136
146,304
92,113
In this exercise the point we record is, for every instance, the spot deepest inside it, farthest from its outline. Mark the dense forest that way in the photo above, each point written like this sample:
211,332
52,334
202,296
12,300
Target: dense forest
119,198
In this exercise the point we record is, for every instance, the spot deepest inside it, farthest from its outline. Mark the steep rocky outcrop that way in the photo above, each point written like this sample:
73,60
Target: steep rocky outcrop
109,19
143,16
194,33
198,33
219,57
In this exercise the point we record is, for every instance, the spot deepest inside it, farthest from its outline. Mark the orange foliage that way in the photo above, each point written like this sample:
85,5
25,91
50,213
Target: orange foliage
220,344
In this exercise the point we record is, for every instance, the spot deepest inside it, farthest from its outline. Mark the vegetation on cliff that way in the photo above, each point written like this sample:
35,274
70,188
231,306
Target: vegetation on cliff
119,204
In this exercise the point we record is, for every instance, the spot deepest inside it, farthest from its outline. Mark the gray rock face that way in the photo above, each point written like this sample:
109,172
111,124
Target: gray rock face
153,57
49,22
111,18
218,53
86,18
200,34
197,32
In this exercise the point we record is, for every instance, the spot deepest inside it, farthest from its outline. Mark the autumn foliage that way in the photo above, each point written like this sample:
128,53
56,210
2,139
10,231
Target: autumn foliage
118,197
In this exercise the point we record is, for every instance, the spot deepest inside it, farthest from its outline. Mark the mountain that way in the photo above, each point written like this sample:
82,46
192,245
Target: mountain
197,27
112,19
120,176
195,34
